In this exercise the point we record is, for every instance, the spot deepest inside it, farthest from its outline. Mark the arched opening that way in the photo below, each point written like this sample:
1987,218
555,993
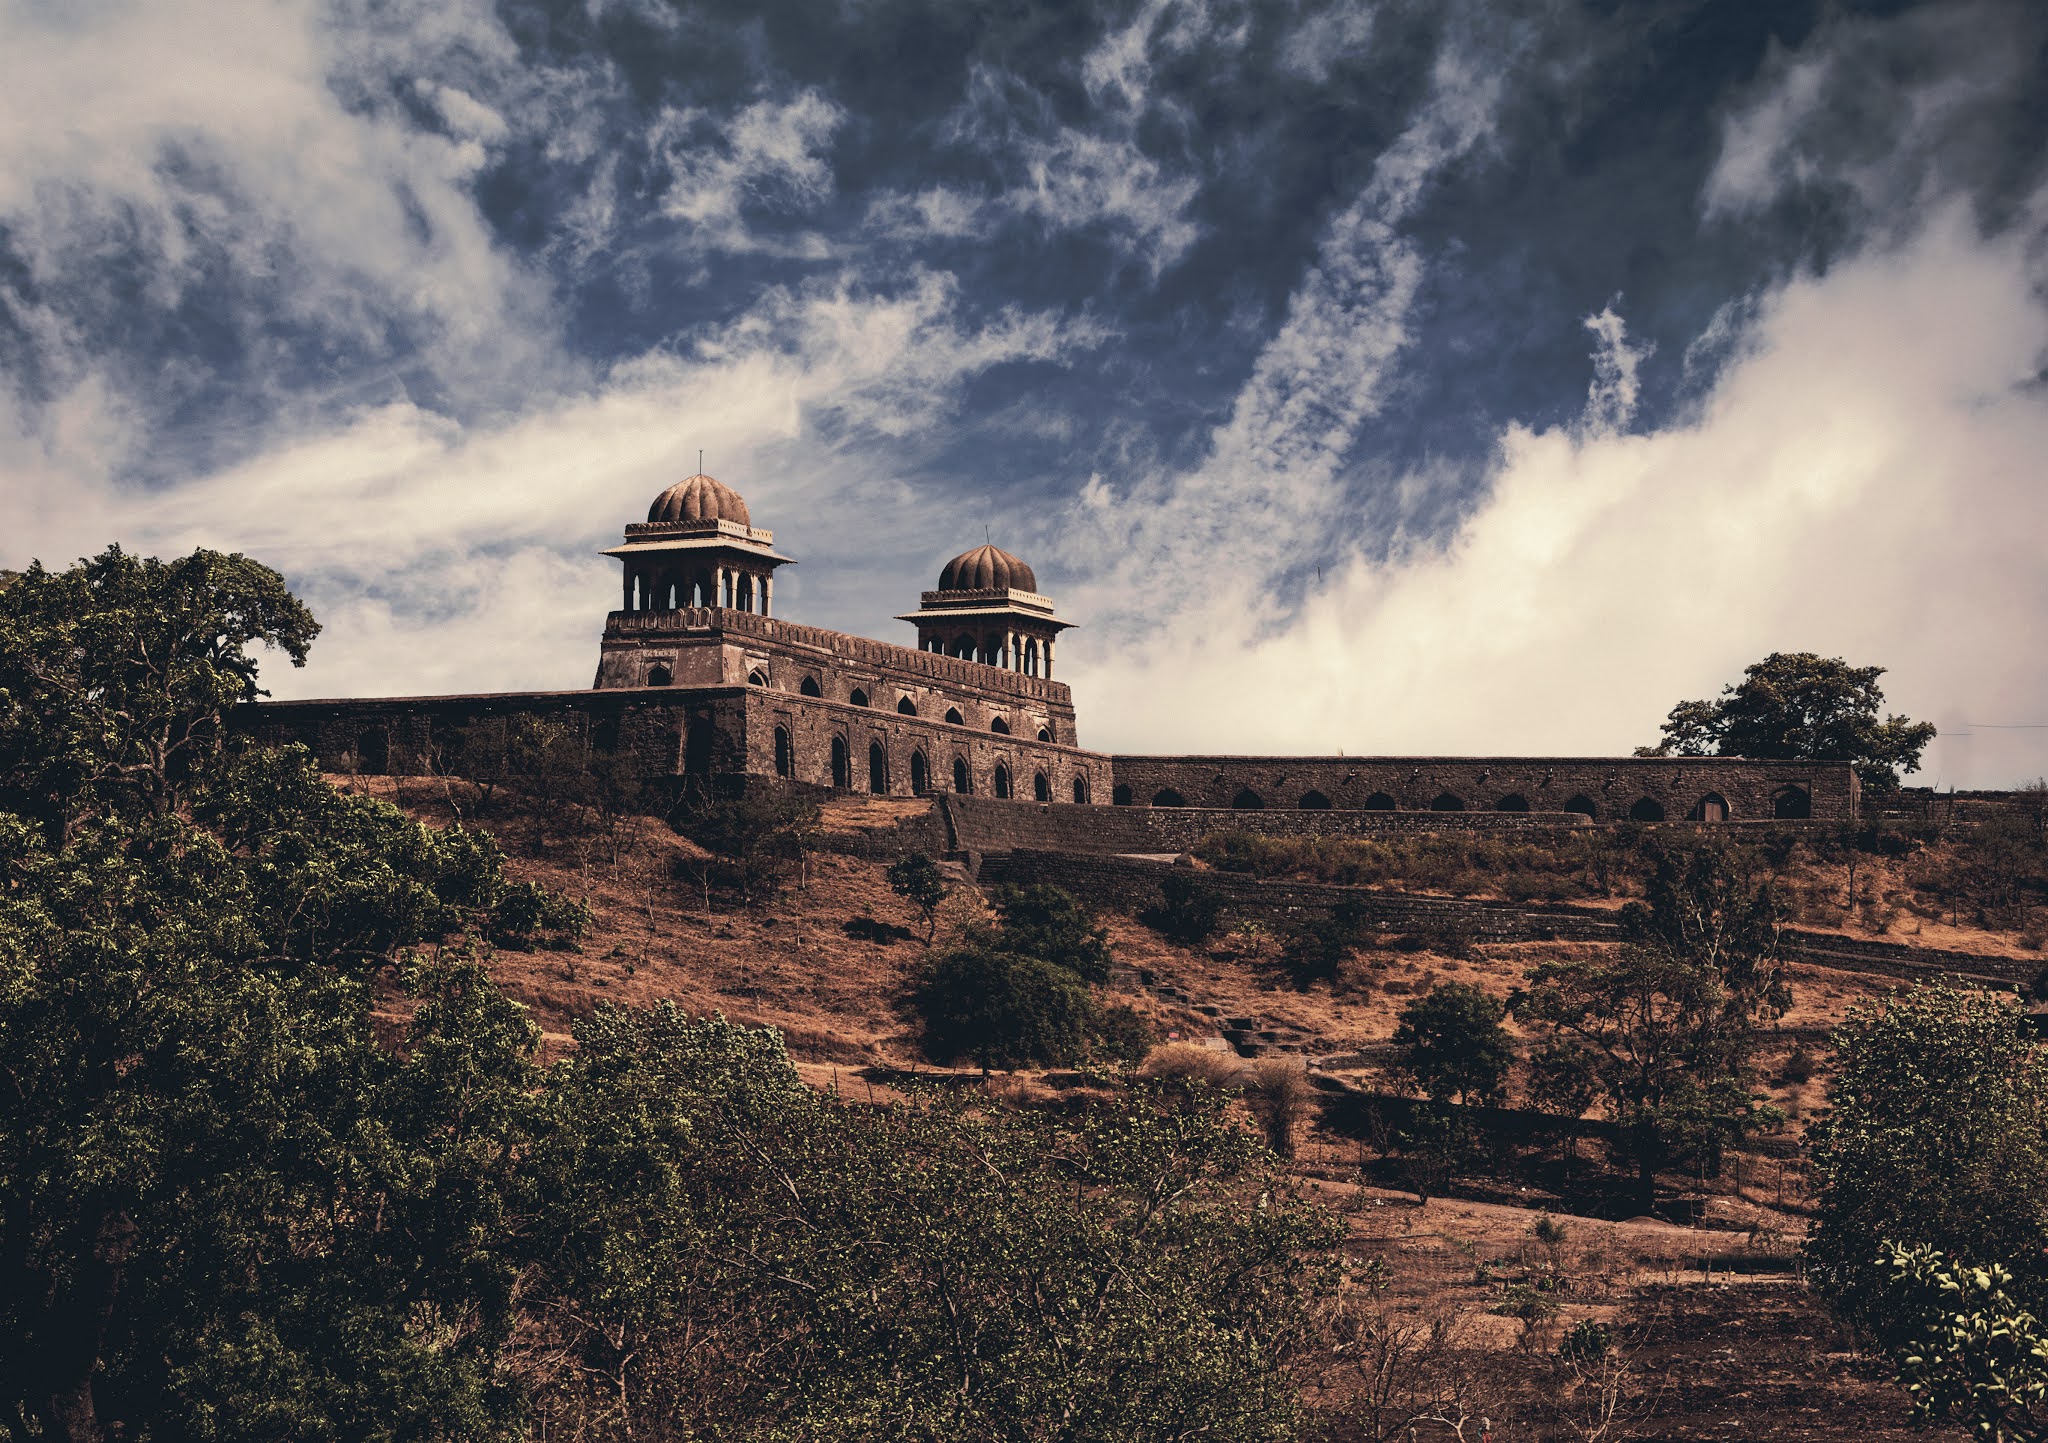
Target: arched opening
1080,789
878,769
842,770
920,774
746,592
1646,809
1002,781
1168,797
905,706
373,751
963,648
810,687
1120,795
1583,805
1713,807
1379,802
785,754
660,675
1247,800
963,781
1512,802
1792,804
700,589
992,653
1031,657
1041,789
1045,734
1313,802
604,734
999,727
953,716
859,697
755,678
697,747
1445,802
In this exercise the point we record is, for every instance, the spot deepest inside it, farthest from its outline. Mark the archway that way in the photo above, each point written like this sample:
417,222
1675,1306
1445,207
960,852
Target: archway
1313,802
1080,789
1792,804
1041,789
1002,781
1713,807
842,770
963,648
1000,727
1120,795
1031,657
754,678
906,707
1512,802
878,769
785,754
1247,800
859,697
1045,734
659,675
1167,797
697,747
810,687
920,774
1445,802
1646,809
745,599
963,783
953,716
1583,805
373,751
1379,802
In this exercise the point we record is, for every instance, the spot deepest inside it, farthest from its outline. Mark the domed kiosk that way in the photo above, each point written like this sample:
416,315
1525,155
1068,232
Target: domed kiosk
698,547
987,609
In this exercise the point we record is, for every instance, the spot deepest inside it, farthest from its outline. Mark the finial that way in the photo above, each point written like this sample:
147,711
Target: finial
985,536
700,460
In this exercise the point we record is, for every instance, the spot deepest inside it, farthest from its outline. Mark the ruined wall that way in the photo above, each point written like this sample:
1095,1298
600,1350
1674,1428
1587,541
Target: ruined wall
1614,788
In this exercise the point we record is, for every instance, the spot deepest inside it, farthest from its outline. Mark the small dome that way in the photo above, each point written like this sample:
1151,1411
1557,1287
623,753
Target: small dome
987,568
699,498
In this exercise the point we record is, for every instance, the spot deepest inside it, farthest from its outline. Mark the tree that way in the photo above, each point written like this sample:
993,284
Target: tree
1799,706
1936,1134
1317,947
754,837
1046,923
1965,1349
1188,909
918,881
1001,1008
1455,1046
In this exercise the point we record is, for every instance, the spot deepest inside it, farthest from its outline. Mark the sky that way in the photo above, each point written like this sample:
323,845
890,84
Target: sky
1377,376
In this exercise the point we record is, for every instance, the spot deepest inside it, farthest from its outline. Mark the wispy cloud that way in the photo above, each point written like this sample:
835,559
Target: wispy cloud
770,156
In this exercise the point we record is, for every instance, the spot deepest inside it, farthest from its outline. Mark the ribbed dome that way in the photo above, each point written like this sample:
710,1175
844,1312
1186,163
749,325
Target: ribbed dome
987,568
699,498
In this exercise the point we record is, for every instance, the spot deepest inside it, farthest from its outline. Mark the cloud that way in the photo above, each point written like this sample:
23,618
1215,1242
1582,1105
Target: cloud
1863,480
768,156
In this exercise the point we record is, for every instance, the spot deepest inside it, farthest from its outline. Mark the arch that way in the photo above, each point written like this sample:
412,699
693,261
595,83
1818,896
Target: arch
1247,800
755,678
1713,807
810,687
1031,656
878,769
920,774
700,589
1000,727
1313,802
858,697
1646,809
660,675
953,716
1041,789
746,591
697,747
785,754
1792,804
963,780
1045,734
905,706
1120,795
1583,805
1080,789
963,648
1379,802
1002,781
1445,802
604,734
1167,797
842,768
373,751
1512,802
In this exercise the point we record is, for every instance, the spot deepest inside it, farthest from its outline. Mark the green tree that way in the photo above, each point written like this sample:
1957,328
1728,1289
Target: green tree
1046,923
1188,909
1936,1134
755,837
1454,1044
1964,1347
1316,948
1000,1008
918,881
1796,705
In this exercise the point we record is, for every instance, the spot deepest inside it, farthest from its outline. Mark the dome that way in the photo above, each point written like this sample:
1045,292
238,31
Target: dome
987,568
698,498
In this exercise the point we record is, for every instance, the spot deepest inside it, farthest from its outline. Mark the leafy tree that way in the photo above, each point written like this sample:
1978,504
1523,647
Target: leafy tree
1455,1046
1965,1349
1936,1134
1046,923
1796,705
1316,948
918,880
755,837
1188,909
1002,1009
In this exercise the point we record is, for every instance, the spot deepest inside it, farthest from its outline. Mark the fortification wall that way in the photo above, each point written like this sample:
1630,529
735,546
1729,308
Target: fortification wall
1605,788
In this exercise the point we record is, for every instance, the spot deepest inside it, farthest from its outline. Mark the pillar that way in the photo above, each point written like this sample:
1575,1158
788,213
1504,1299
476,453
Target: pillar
767,593
724,580
1048,658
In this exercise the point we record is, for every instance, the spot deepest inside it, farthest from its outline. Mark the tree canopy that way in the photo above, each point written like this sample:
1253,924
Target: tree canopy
1799,706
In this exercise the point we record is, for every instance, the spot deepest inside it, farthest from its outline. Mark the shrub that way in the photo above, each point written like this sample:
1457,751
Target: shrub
1124,1033
1188,911
1279,1095
1456,1045
532,914
1002,1009
1046,923
1185,1062
1586,1341
918,881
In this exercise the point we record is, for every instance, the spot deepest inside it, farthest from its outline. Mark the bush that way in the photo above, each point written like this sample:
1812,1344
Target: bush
1046,923
1585,1341
1185,1062
1188,911
918,881
1002,1009
1124,1033
1279,1095
1456,1045
532,914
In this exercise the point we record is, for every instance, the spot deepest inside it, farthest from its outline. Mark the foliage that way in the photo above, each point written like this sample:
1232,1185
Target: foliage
1937,1134
1965,1349
1525,865
1279,1095
1001,1008
1046,923
1188,910
755,838
1456,1047
1124,1034
1316,948
530,913
1183,1063
918,881
1796,705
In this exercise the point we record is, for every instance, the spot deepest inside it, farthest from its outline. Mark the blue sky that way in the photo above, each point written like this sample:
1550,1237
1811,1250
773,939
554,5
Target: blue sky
1398,377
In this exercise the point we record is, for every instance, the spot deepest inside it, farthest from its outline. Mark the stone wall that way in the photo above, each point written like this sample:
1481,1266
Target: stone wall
1613,788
